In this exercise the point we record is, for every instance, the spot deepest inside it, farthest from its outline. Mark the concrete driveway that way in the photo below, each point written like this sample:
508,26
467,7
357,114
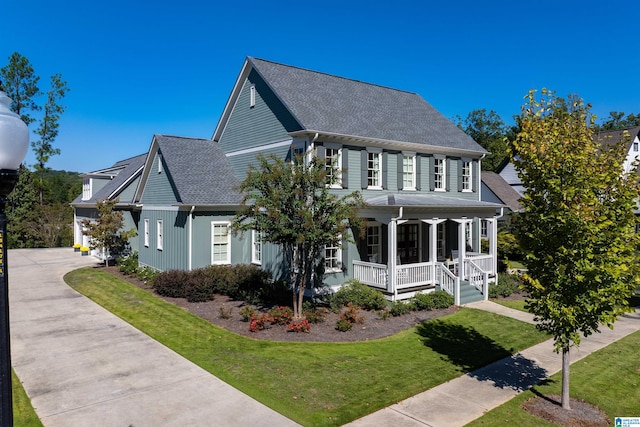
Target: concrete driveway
83,366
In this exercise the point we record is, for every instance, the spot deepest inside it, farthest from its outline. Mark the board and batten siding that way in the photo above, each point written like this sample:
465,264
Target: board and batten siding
253,126
159,189
173,254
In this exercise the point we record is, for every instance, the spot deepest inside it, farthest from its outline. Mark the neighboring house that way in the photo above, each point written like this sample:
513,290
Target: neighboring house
496,190
509,174
118,181
419,175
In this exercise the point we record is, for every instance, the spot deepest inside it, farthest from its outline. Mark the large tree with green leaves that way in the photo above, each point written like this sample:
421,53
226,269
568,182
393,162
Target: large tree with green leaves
291,205
578,225
20,83
106,232
617,120
488,130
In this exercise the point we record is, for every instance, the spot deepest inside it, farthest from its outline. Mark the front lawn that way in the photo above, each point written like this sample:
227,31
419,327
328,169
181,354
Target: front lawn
317,383
23,413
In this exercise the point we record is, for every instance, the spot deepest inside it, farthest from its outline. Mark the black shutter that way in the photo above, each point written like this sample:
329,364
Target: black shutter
418,177
363,169
345,169
400,158
384,158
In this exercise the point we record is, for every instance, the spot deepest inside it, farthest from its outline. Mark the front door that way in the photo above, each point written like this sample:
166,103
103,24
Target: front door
408,243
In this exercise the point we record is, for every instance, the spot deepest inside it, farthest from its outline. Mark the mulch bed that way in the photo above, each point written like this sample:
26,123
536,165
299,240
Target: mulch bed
373,327
581,414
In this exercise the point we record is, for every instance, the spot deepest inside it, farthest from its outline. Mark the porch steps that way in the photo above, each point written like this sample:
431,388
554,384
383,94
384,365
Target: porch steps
468,293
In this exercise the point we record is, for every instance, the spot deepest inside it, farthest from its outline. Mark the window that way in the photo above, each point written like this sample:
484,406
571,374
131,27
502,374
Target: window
635,146
467,234
439,165
256,247
440,240
160,235
86,189
332,259
373,244
146,232
374,170
484,228
408,172
159,164
220,243
333,166
466,176
252,96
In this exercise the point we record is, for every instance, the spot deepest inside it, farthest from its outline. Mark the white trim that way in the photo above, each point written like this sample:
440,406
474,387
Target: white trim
260,148
338,258
377,226
414,161
257,255
378,152
146,232
159,157
227,259
159,234
125,183
443,174
338,166
252,96
469,188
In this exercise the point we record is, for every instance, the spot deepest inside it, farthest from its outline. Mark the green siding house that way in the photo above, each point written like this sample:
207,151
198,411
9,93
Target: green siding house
418,173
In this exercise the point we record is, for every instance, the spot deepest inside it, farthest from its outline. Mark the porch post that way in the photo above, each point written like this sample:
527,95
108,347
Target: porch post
493,244
391,265
462,245
433,237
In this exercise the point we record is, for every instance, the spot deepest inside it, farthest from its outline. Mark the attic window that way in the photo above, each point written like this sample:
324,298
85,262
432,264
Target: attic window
86,189
159,164
252,98
635,146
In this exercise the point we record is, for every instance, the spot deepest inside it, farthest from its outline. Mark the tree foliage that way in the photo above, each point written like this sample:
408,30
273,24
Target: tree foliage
20,83
578,225
291,204
488,130
617,120
105,232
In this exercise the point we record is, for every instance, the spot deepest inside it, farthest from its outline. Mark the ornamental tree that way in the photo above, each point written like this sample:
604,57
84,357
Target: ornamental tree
291,205
105,232
578,225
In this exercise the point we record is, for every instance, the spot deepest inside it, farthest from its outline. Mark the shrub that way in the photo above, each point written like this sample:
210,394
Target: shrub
147,274
316,314
441,299
301,326
398,308
171,283
199,287
224,312
258,323
128,265
281,315
343,325
351,314
423,302
507,285
357,293
250,282
385,314
247,312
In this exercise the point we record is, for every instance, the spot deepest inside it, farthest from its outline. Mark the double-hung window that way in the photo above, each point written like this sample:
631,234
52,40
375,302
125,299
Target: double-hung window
332,258
160,235
408,171
374,170
256,247
439,173
484,228
220,243
373,243
333,165
86,189
146,232
466,176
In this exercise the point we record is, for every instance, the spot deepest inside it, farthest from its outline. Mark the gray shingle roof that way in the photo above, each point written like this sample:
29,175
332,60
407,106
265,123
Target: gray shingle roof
612,137
200,171
128,168
427,200
502,190
326,103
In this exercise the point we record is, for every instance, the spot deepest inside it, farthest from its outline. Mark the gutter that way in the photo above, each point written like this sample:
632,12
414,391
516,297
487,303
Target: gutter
190,237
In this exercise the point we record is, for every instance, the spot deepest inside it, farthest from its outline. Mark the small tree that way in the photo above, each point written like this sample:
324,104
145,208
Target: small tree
105,232
578,224
291,205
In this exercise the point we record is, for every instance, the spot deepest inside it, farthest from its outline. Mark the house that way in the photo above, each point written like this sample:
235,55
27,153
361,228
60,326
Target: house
116,182
496,190
419,175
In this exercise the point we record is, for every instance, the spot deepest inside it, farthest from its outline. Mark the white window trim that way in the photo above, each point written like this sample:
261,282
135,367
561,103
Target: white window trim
377,151
252,96
379,245
160,235
443,174
484,228
227,260
469,188
146,232
441,240
412,156
338,257
338,166
159,164
257,247
86,188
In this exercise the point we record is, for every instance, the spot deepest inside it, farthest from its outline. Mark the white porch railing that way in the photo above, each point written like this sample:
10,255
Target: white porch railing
477,277
371,274
484,261
412,275
449,282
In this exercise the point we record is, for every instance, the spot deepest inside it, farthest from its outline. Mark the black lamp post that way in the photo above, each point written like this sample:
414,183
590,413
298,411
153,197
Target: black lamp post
14,142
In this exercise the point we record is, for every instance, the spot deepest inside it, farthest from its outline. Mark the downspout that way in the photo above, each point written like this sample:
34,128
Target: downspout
393,247
190,237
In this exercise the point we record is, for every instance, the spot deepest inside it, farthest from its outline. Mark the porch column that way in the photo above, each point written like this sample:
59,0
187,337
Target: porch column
433,237
462,245
493,244
392,250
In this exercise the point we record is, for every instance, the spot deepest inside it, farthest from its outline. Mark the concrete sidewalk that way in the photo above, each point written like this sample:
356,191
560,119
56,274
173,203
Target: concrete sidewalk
83,366
468,397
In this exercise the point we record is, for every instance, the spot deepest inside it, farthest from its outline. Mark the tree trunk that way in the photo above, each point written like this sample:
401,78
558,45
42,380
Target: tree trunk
565,378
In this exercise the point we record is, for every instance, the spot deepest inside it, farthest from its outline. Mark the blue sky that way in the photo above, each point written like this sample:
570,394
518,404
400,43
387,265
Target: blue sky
136,68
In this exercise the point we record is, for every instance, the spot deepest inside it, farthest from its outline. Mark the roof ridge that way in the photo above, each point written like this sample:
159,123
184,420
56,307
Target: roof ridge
184,137
251,58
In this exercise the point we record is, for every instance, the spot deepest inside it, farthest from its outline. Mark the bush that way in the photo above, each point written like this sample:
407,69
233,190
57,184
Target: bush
171,283
343,325
398,308
315,315
128,265
301,326
247,312
423,302
441,299
147,274
281,315
258,323
357,293
250,282
507,284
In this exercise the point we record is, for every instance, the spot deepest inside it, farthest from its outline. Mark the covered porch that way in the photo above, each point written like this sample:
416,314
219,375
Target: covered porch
419,243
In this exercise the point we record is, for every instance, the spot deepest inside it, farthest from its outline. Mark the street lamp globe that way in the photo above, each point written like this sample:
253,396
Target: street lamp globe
14,143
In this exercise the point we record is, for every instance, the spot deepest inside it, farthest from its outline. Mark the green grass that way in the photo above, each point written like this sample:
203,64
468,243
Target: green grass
515,304
317,383
23,413
608,378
